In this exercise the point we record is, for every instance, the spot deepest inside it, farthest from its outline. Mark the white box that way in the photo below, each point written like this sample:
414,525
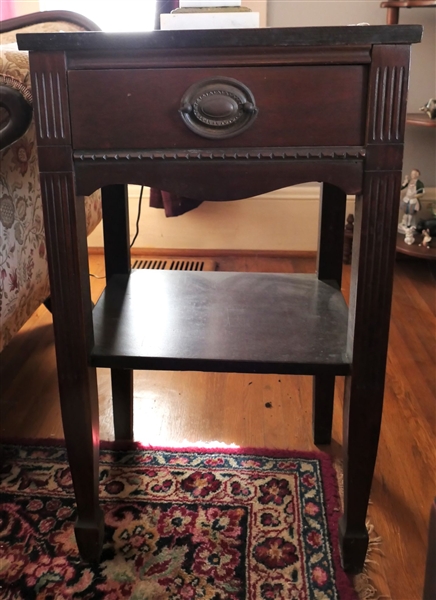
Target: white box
227,20
208,3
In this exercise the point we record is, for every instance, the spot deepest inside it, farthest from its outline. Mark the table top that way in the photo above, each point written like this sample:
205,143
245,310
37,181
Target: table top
279,37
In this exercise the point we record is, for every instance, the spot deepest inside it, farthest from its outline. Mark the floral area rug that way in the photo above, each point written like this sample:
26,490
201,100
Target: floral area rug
180,525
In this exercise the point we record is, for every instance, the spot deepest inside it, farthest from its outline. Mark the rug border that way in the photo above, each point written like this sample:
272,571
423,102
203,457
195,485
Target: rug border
344,583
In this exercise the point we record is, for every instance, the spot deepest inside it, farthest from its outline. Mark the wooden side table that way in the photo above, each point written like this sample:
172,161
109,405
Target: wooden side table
223,115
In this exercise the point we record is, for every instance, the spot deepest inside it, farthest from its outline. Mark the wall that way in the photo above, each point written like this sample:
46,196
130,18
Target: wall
260,6
283,220
420,142
24,7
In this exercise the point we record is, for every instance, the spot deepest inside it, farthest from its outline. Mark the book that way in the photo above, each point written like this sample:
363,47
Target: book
215,9
210,20
207,3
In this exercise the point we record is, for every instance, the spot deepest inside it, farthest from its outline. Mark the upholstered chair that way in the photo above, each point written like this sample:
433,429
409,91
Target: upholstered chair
24,282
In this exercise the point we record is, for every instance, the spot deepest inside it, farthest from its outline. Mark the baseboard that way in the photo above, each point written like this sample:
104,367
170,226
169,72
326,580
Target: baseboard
211,253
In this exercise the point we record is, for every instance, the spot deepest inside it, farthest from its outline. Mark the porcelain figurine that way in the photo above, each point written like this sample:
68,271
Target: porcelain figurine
426,239
429,224
409,238
430,108
410,202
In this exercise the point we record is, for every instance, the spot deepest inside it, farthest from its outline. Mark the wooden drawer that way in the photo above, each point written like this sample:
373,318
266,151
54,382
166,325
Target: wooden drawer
139,108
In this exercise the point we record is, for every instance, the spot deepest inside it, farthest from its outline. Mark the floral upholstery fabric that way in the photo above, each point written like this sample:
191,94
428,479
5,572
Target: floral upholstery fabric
24,283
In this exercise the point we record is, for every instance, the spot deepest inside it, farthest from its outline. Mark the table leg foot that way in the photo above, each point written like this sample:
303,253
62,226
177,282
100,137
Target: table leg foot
89,537
354,545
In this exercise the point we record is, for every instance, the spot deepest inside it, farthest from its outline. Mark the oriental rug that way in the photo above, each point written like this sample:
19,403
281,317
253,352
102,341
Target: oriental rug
181,524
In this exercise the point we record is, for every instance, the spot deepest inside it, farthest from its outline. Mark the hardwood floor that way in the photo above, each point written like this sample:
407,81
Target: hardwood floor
184,408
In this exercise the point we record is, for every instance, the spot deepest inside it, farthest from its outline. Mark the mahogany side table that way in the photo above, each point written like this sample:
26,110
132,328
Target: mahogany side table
223,115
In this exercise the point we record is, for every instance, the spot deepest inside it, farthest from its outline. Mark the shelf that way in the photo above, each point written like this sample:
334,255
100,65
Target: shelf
415,249
227,322
408,3
420,119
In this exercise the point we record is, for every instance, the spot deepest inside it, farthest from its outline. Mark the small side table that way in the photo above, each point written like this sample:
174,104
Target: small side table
223,115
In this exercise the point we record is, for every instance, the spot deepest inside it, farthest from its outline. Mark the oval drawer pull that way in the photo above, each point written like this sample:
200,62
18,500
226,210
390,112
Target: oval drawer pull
218,107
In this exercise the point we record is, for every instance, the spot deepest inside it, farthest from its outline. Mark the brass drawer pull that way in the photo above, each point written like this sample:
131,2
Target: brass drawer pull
218,107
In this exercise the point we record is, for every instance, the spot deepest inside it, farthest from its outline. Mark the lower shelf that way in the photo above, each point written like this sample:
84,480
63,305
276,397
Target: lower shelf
217,321
415,249
420,119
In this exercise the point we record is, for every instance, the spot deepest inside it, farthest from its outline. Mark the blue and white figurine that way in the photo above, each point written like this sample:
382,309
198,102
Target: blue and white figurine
410,202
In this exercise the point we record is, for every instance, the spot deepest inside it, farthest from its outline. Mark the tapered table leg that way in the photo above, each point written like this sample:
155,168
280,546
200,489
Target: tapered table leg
323,390
117,261
370,302
122,402
329,269
71,308
67,254
372,273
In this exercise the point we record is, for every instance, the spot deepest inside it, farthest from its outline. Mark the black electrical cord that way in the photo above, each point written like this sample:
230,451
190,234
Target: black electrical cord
138,217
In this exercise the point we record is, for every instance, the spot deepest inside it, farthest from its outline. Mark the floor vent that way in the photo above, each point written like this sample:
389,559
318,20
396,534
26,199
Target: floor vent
174,264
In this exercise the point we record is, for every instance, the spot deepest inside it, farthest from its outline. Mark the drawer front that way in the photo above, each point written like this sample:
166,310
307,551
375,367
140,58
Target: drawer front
140,108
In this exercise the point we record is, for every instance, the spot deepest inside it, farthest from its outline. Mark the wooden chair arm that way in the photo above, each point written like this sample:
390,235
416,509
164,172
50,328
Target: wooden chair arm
18,118
18,110
47,16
